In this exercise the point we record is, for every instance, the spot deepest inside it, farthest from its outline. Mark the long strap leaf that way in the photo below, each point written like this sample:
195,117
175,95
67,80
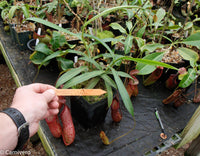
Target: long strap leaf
92,83
108,80
47,23
25,9
100,41
50,57
109,93
145,61
192,129
12,11
123,93
69,75
82,78
91,60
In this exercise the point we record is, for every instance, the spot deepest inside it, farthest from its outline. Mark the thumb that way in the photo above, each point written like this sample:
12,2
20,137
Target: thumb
49,95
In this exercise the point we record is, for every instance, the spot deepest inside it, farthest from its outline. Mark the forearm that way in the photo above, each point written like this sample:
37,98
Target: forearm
31,104
8,133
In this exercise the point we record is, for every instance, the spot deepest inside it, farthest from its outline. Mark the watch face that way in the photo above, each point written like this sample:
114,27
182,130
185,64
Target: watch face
23,126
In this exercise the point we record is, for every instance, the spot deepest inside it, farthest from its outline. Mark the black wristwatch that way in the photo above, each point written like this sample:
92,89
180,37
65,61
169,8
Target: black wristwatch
22,126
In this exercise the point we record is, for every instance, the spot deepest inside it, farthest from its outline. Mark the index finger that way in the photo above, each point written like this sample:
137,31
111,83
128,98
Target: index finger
40,88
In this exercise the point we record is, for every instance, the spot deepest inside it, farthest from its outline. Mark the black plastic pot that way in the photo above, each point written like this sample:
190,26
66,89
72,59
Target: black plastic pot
12,34
88,115
168,72
21,39
31,44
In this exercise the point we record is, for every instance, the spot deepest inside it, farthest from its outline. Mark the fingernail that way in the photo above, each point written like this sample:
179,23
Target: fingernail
52,91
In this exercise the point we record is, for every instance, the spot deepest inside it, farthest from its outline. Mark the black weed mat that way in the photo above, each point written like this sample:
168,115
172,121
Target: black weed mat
144,137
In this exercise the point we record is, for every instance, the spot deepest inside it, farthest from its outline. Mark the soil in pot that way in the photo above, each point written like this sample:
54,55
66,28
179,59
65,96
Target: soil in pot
172,58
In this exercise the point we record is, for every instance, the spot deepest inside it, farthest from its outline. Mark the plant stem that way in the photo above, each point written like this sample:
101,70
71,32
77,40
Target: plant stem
73,12
166,20
187,18
105,12
59,11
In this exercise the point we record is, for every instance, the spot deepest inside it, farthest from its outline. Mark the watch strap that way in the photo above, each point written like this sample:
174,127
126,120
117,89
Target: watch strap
22,126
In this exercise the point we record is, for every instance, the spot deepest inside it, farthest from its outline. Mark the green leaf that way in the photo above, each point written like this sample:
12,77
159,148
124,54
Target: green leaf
70,74
86,58
129,25
160,16
114,40
54,26
173,27
40,12
145,69
193,40
189,55
140,42
25,10
124,74
82,78
51,56
130,14
141,32
43,48
188,78
192,129
107,11
108,80
196,19
92,83
65,63
145,62
117,26
123,93
109,93
57,40
118,62
188,25
51,5
151,47
12,11
105,34
77,52
37,57
100,41
4,13
3,4
128,44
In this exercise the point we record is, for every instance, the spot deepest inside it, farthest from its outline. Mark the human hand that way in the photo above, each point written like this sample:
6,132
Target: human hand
36,102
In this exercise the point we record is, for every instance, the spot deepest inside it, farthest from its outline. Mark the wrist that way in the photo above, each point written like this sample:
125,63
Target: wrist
26,113
8,132
21,124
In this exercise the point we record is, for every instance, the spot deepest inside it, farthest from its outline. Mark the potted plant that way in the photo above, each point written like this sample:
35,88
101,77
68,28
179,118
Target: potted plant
53,48
173,50
53,11
21,31
94,70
